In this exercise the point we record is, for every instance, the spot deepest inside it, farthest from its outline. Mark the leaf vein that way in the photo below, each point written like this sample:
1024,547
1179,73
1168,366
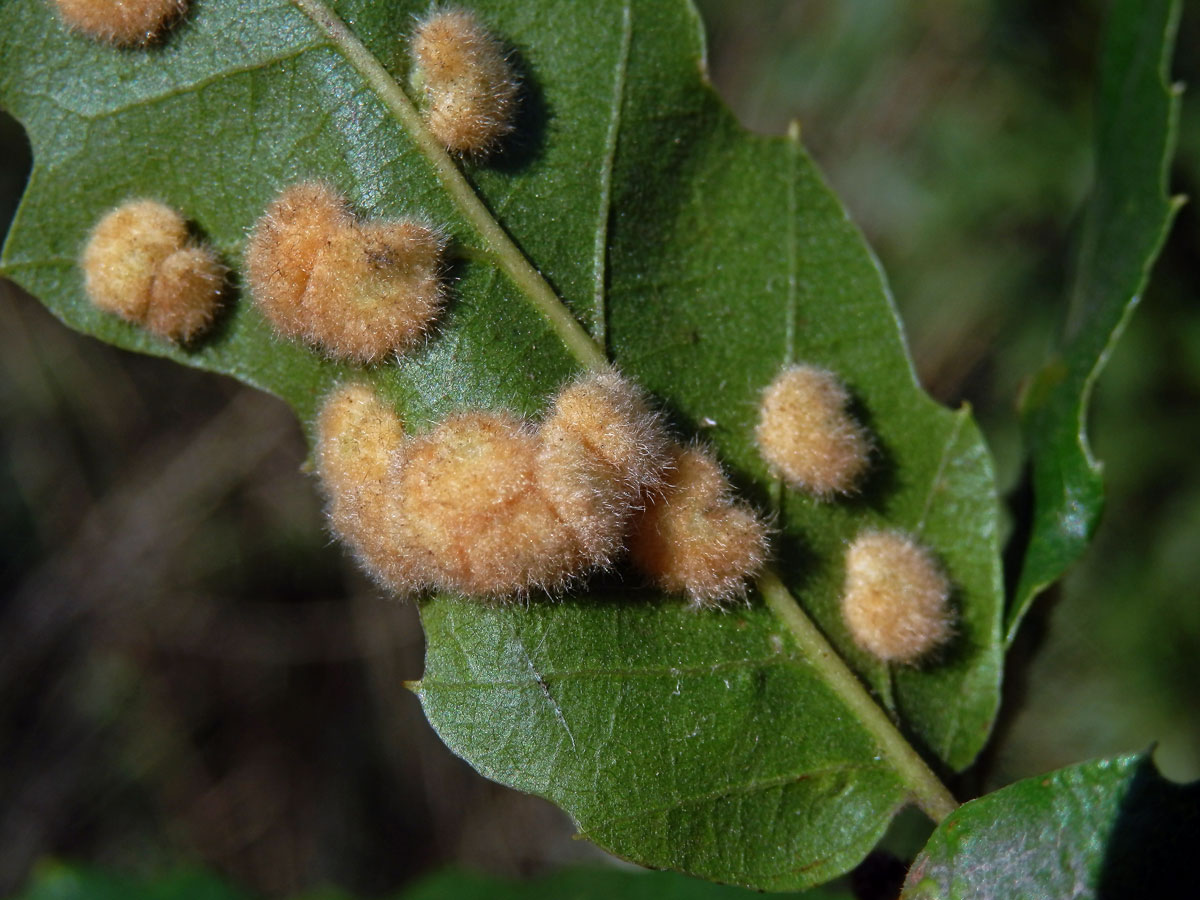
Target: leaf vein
541,682
200,84
935,483
600,251
741,789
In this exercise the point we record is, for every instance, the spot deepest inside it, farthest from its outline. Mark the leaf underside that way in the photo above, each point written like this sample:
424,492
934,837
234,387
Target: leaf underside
1125,225
702,258
1108,828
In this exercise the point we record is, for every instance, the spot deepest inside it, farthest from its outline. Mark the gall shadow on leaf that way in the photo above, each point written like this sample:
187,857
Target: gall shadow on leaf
795,560
451,272
525,143
879,483
959,647
622,584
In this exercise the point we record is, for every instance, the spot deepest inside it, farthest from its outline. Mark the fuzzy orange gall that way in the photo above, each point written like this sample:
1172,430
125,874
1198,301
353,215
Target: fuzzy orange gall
470,90
124,22
485,504
896,600
601,448
694,538
138,263
357,436
284,247
358,291
806,434
359,440
473,512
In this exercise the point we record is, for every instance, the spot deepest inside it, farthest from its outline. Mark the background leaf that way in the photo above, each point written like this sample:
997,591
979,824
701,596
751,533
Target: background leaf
1125,225
59,881
589,884
705,258
1107,828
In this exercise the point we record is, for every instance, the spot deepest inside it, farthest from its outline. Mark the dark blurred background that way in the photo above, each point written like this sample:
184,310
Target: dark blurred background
191,671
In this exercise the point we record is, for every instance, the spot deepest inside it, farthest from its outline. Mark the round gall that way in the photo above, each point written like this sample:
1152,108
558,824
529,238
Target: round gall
807,436
601,449
469,86
473,513
896,600
694,538
359,440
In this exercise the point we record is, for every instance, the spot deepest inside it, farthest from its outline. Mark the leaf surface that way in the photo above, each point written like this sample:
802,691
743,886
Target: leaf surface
702,259
1102,829
60,881
589,883
1125,225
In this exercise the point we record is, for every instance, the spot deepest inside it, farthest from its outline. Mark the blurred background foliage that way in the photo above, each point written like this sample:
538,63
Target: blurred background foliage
191,671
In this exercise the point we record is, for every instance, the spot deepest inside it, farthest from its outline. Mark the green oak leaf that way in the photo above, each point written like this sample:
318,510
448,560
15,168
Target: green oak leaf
758,747
69,881
590,883
1102,829
63,881
1125,225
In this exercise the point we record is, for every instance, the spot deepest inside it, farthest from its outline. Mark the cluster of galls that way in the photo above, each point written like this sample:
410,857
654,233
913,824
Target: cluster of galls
488,505
140,264
358,291
895,598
